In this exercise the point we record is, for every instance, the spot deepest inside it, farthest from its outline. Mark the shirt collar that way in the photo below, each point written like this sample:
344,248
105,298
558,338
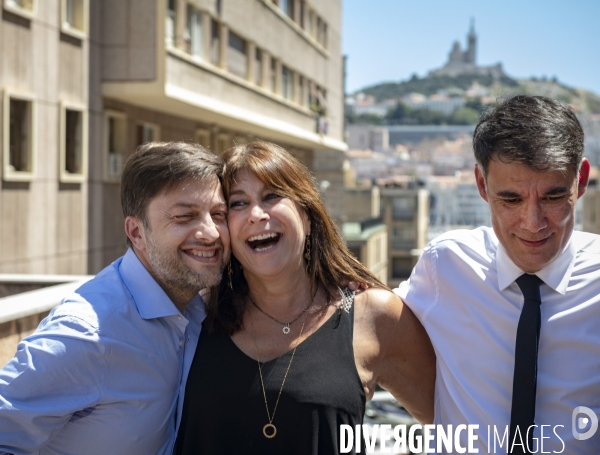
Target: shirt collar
556,274
150,299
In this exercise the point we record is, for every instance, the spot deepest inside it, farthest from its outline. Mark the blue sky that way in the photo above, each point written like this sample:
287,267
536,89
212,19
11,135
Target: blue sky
388,40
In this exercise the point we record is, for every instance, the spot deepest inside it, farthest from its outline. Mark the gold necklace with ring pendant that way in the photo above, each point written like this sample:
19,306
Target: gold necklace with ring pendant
270,430
286,325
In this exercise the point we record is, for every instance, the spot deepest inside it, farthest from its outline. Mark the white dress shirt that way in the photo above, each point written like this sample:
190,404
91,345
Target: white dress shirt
464,293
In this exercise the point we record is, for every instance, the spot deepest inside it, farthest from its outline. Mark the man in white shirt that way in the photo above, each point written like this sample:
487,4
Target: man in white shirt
531,171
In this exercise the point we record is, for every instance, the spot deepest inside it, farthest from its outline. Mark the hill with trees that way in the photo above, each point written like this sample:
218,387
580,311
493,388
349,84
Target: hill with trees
584,102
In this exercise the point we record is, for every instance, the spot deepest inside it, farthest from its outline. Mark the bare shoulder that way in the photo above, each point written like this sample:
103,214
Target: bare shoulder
392,349
378,304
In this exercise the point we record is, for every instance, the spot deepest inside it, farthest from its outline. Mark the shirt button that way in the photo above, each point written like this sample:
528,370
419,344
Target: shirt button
180,343
179,318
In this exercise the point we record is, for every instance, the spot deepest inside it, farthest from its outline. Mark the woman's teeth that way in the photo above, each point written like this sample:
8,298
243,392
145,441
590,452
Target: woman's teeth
263,242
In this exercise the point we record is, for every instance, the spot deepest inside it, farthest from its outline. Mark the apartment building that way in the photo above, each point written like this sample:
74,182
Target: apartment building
84,82
368,241
406,213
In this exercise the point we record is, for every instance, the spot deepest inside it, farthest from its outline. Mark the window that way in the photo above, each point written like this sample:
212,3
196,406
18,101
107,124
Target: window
311,24
287,83
147,132
21,7
302,20
319,29
401,267
194,35
215,43
317,98
223,143
273,75
19,159
288,8
404,208
237,60
302,101
73,143
258,67
324,34
403,238
116,137
202,137
74,17
171,20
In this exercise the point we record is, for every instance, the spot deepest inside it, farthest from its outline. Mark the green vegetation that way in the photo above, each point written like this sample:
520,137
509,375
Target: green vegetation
430,85
404,115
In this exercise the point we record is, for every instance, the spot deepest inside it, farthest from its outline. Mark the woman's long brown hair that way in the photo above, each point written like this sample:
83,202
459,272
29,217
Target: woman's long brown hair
330,261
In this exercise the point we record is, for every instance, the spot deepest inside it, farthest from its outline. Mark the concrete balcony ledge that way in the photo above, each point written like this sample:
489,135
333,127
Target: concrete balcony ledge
40,278
24,304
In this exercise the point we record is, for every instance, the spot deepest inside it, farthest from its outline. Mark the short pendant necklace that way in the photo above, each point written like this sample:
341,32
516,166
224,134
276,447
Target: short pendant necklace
286,325
269,430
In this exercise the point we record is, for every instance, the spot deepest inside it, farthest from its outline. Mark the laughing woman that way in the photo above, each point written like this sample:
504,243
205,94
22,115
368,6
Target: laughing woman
285,357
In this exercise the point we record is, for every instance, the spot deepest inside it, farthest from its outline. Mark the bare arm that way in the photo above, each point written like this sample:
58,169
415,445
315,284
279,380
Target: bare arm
393,349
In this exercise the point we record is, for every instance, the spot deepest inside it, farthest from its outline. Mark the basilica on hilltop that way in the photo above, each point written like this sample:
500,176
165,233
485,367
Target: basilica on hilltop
464,62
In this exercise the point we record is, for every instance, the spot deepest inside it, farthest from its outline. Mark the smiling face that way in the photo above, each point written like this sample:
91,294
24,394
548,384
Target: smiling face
533,213
185,245
267,230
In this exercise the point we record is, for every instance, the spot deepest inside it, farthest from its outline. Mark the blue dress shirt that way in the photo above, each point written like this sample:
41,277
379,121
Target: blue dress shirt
104,373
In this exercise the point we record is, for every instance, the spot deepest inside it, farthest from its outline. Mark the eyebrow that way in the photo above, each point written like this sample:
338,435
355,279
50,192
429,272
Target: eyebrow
231,193
191,205
187,205
551,192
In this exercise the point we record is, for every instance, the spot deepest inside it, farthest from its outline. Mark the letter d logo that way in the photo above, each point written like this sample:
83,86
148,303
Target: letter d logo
581,422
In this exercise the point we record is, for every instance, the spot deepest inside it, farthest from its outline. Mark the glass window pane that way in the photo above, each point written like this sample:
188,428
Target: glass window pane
258,67
73,142
194,32
215,43
19,139
237,60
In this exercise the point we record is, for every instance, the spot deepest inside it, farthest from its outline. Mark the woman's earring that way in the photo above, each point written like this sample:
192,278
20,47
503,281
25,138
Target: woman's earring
230,273
307,253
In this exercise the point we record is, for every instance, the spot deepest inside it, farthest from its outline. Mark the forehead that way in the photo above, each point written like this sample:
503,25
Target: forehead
518,176
246,180
198,193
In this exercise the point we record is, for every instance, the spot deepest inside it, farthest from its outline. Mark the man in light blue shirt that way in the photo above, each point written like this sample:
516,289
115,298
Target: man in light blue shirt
105,372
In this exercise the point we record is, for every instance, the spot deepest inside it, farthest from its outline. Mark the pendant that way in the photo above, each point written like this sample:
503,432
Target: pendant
269,430
286,329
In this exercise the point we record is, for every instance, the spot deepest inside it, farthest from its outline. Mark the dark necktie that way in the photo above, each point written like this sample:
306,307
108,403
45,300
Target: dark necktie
525,377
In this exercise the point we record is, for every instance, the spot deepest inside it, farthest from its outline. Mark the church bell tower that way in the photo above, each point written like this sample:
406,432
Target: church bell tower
472,44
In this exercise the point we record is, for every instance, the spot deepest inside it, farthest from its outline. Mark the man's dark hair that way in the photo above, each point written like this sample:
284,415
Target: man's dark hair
160,166
542,133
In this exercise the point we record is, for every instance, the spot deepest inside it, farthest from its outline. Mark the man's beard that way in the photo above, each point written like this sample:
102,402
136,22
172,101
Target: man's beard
169,269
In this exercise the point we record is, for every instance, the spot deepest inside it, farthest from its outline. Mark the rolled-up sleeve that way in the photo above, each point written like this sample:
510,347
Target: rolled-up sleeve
56,373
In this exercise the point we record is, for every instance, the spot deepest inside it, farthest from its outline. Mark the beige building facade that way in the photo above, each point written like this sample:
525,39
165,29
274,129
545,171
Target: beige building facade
368,241
85,82
590,213
406,214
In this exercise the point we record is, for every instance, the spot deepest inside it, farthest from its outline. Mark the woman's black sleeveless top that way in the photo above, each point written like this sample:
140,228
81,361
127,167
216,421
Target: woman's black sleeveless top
224,410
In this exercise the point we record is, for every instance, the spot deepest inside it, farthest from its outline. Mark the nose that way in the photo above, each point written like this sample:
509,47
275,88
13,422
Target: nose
257,214
533,218
206,231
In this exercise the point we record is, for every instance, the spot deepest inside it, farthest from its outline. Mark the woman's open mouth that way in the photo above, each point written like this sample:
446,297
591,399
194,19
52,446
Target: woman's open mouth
263,242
